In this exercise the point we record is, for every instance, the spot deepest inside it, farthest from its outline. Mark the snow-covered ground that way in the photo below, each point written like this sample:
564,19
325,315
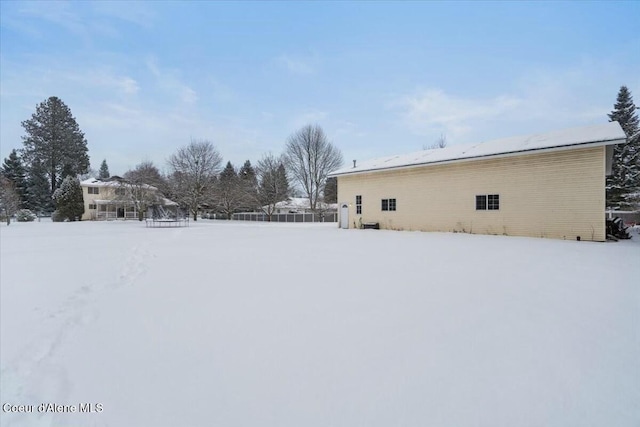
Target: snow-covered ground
253,324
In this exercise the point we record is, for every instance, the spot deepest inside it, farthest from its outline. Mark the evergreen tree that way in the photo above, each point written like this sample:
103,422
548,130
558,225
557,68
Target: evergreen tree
14,171
104,170
331,190
229,194
249,184
623,185
282,182
54,139
69,200
39,198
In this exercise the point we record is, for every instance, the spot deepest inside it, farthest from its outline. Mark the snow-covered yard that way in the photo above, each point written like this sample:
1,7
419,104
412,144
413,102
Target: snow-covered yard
253,324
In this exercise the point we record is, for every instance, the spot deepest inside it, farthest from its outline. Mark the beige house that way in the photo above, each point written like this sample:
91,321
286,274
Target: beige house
544,185
115,199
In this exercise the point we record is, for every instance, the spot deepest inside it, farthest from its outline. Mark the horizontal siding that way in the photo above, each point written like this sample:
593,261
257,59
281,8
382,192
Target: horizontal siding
106,193
556,194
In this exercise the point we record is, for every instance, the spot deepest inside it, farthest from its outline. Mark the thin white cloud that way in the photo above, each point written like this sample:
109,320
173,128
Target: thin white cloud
298,65
188,95
95,79
307,118
169,81
135,12
84,20
20,25
542,99
57,12
433,111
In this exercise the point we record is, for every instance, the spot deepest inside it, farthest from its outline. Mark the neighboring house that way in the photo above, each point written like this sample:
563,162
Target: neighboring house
302,205
543,185
116,199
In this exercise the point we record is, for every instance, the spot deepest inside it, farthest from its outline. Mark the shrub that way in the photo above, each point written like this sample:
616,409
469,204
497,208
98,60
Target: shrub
57,217
25,215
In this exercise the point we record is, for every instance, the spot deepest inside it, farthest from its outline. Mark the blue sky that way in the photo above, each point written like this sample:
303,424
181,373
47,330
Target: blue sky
381,78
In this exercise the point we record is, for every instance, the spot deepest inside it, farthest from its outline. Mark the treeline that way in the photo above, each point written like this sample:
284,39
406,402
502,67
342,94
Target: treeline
44,176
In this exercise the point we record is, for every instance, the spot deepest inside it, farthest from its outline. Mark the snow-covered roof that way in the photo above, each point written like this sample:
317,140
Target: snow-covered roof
93,182
604,134
166,202
302,203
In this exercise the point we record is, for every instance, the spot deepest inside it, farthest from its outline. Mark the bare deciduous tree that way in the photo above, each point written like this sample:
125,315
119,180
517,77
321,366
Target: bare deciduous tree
273,186
143,187
440,143
193,173
310,157
9,198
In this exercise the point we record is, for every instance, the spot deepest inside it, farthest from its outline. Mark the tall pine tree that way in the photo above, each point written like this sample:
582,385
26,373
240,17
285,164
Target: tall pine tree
54,139
14,171
39,194
104,170
229,194
623,186
249,184
331,190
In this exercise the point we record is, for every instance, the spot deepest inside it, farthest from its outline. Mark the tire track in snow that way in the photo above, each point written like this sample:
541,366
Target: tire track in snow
35,377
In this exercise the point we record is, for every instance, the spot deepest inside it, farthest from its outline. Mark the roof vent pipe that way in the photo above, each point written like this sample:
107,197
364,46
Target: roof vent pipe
354,163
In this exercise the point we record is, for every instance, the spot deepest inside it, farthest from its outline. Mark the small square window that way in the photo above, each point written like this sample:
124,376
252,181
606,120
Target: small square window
392,204
93,190
385,204
481,203
358,200
92,206
119,191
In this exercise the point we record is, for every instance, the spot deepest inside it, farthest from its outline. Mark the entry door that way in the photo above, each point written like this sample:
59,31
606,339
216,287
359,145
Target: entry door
344,216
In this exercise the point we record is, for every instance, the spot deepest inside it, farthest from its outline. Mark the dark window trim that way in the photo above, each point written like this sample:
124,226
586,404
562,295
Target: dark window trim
388,205
487,202
493,202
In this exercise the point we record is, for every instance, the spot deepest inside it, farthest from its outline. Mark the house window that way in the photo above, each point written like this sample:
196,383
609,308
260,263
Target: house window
359,205
388,204
489,202
493,202
93,190
119,191
92,206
